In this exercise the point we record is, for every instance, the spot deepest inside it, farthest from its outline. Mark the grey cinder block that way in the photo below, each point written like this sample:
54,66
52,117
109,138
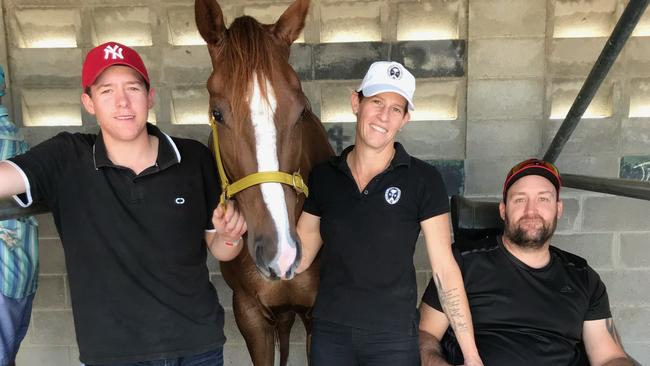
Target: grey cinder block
345,61
615,214
52,260
50,293
427,59
635,250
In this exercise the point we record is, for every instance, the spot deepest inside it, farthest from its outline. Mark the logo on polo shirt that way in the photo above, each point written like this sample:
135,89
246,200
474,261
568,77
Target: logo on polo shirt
392,195
566,289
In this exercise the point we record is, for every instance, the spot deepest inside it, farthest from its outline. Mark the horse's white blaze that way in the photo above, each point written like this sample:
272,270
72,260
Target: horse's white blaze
262,116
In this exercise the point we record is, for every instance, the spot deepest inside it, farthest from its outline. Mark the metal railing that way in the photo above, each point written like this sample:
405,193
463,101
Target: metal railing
620,187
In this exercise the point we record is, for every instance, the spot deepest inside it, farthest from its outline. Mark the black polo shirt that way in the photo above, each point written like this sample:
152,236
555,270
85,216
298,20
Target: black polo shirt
367,274
524,315
134,245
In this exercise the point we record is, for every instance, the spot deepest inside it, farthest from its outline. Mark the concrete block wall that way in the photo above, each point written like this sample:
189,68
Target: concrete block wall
494,80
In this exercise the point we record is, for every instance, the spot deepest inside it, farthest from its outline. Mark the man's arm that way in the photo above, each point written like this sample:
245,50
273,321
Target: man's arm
224,241
449,282
603,344
11,181
308,229
433,325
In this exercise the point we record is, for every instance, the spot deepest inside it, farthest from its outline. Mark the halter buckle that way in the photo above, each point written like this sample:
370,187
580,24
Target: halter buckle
297,182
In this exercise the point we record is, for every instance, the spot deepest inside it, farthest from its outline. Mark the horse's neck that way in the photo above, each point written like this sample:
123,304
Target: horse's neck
315,143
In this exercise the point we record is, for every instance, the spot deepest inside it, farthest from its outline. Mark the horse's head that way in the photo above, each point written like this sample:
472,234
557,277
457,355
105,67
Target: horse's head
258,104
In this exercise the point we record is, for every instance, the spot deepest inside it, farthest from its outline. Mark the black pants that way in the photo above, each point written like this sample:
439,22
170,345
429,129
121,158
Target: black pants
340,345
210,358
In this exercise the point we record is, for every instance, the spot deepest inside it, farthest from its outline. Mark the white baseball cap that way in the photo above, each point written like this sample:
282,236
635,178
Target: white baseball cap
389,76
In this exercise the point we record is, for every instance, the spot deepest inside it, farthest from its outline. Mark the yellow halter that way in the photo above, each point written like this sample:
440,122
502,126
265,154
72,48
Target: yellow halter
228,190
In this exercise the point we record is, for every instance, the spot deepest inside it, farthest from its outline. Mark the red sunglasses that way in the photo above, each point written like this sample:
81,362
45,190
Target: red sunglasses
532,163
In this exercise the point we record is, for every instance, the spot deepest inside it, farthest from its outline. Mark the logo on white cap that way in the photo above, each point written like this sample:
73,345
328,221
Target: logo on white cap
395,72
114,52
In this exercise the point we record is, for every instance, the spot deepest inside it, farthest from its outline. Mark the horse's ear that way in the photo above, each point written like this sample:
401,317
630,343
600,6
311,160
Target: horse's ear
292,21
209,20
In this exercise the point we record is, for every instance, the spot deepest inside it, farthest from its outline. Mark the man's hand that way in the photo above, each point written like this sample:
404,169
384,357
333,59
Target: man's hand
229,222
229,226
433,324
430,350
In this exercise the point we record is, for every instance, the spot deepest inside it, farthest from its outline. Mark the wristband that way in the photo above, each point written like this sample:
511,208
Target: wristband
233,243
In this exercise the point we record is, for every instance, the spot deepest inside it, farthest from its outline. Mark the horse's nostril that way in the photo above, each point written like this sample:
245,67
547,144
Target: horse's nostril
289,274
272,274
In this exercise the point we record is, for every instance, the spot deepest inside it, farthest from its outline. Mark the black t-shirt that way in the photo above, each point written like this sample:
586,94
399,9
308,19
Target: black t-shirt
523,315
367,275
134,245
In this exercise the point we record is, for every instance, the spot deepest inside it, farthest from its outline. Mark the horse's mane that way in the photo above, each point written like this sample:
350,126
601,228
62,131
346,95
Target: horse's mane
245,49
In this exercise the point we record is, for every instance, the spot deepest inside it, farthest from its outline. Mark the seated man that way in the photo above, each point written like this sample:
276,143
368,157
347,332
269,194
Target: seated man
531,303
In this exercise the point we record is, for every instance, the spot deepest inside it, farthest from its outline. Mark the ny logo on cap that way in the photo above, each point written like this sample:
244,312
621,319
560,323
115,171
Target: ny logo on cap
394,72
114,52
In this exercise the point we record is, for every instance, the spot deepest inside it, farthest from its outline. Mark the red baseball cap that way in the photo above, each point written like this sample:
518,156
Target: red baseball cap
533,167
109,54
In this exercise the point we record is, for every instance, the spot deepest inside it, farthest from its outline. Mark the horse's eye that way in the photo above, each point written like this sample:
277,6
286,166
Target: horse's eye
216,114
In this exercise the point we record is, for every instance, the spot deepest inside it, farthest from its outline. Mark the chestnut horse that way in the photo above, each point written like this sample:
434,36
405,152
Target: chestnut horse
264,123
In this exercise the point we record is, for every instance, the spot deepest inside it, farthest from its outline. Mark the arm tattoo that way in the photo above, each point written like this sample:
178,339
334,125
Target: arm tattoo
612,331
450,301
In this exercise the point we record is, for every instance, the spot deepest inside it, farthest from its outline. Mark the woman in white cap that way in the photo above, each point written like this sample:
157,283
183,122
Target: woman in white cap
365,211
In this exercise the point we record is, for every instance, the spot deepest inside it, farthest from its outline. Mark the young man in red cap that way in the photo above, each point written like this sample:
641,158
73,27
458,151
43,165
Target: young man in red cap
532,303
135,209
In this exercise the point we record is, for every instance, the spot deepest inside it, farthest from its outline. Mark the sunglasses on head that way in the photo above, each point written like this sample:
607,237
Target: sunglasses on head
534,162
